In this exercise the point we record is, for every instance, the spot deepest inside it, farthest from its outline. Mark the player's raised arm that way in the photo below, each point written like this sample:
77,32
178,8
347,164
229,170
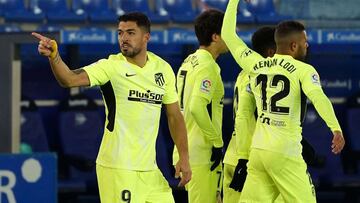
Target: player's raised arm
228,31
65,77
240,51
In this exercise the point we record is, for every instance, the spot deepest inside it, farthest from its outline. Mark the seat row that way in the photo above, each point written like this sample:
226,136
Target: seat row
100,11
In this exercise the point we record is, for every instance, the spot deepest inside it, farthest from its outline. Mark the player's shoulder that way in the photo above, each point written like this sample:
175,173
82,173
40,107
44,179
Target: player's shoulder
243,75
104,63
109,62
158,61
200,61
156,58
209,69
208,65
159,64
116,57
303,66
242,79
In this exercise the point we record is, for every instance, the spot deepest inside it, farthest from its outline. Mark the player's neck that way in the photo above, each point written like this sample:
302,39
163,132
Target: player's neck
139,60
281,51
212,50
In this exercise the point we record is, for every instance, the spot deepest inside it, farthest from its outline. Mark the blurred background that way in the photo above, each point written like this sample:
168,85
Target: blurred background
61,129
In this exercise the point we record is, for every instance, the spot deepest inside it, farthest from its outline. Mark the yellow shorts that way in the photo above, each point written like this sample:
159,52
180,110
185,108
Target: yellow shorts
230,195
271,174
205,185
119,186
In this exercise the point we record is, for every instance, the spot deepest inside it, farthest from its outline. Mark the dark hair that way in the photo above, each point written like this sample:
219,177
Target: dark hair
208,23
141,19
263,39
286,28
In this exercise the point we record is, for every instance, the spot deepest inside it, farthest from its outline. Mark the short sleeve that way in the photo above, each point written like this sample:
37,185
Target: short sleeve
310,80
97,72
170,89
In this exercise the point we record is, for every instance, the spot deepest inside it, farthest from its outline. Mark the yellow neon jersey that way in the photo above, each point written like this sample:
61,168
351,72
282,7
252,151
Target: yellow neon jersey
244,108
280,85
199,85
133,97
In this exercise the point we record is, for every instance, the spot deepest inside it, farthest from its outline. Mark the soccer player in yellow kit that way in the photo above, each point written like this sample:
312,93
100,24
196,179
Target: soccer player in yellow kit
280,85
201,94
237,153
135,84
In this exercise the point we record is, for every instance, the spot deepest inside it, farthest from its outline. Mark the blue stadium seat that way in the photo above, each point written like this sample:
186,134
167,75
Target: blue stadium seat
9,28
244,16
80,131
99,11
49,28
143,6
265,12
330,171
15,11
300,11
32,127
57,11
181,11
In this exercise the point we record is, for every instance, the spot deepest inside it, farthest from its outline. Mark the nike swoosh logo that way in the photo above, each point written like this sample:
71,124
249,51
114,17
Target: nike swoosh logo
129,75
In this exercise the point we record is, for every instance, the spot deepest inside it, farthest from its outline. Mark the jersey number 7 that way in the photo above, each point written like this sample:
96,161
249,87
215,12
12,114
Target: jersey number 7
183,74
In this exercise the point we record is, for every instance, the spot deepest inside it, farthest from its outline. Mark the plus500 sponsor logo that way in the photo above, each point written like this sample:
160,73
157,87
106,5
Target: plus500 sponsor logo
147,97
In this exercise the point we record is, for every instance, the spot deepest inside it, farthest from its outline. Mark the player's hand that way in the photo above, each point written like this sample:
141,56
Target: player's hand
338,142
216,157
47,47
183,171
240,173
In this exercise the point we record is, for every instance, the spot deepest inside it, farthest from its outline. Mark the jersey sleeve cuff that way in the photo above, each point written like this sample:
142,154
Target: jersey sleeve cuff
218,143
88,72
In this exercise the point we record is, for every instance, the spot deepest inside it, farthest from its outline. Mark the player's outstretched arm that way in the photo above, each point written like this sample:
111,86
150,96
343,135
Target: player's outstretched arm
178,133
325,109
65,77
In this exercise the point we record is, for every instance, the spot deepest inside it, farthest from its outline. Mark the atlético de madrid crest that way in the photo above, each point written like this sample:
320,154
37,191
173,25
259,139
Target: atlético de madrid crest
159,79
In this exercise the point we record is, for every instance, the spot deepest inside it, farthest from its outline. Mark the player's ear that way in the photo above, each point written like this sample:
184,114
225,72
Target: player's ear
215,37
270,52
147,36
293,46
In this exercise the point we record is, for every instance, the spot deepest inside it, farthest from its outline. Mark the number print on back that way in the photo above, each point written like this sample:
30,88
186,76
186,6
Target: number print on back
274,83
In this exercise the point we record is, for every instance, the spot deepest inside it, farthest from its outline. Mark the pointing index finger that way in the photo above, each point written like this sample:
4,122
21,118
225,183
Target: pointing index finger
39,36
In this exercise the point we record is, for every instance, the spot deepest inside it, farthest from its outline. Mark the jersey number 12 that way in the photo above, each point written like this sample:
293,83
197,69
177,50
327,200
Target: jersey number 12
276,80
